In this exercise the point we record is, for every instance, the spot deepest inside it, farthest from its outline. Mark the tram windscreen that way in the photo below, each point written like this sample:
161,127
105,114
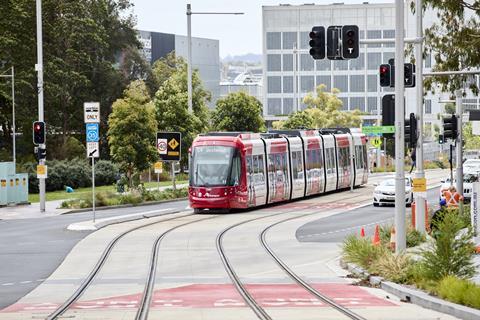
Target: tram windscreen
211,166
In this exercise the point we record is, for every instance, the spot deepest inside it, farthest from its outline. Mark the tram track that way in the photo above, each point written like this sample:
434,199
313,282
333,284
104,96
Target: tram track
100,263
297,278
260,312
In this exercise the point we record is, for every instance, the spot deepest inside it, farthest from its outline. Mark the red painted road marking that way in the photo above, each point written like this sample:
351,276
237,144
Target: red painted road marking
225,295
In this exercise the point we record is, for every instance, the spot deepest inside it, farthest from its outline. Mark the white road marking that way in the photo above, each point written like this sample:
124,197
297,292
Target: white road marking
7,284
25,282
345,229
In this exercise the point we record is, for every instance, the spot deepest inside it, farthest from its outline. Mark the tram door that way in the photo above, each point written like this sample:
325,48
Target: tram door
256,181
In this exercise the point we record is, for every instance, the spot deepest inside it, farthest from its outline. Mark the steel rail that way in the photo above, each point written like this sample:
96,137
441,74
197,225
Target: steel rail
297,279
101,261
142,312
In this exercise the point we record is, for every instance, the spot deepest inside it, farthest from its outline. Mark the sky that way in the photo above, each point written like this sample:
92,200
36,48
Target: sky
238,34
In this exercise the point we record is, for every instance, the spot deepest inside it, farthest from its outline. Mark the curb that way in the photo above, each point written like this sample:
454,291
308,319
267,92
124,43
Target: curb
129,205
416,297
84,226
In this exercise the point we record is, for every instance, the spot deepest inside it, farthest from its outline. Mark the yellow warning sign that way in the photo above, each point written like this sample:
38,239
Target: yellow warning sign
376,142
41,171
3,183
173,144
419,184
158,166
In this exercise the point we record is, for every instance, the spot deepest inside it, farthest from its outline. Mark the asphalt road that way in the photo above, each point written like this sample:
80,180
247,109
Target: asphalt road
31,249
335,228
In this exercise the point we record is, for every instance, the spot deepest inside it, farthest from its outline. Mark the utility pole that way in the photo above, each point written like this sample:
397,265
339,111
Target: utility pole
39,69
400,244
459,146
189,56
420,173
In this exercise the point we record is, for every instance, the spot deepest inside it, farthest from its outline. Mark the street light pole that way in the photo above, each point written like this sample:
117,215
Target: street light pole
400,243
39,69
189,56
459,145
189,48
420,173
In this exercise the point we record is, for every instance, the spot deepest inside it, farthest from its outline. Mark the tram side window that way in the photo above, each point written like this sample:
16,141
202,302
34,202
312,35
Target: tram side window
359,157
330,160
260,168
344,158
236,169
364,153
297,165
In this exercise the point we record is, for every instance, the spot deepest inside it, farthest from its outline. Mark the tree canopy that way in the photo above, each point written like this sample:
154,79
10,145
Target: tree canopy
171,104
132,130
81,44
238,112
453,40
324,110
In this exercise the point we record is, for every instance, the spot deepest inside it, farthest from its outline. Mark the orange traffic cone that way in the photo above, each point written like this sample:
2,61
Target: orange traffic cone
362,232
376,236
392,239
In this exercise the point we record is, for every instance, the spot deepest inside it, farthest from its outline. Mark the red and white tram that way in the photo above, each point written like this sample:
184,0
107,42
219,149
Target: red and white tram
232,170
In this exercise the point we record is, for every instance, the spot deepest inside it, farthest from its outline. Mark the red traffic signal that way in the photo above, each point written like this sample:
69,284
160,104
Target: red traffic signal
39,132
384,75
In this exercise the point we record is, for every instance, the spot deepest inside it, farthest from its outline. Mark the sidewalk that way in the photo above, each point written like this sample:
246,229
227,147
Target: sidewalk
32,211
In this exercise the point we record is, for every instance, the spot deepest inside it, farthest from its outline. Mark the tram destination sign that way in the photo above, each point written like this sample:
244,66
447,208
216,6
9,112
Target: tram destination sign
378,129
169,145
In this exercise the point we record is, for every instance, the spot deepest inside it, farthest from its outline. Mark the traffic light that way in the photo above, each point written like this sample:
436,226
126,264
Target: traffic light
350,44
39,132
450,127
40,153
411,131
384,75
441,139
317,43
388,110
409,75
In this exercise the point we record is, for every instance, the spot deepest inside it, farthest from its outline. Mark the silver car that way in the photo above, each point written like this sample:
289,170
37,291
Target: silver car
384,193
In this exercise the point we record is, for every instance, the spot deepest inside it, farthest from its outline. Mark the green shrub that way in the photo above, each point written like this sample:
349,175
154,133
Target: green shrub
459,291
106,173
414,237
393,267
360,251
448,255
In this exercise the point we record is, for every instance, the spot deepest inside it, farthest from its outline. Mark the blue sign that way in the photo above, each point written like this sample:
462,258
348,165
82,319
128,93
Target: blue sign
92,132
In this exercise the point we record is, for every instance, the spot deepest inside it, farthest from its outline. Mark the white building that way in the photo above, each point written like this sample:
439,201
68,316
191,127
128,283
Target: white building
288,77
205,55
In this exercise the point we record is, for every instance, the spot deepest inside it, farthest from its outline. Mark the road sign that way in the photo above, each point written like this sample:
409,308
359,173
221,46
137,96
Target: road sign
376,142
92,112
158,167
93,150
419,184
378,129
41,171
92,132
169,145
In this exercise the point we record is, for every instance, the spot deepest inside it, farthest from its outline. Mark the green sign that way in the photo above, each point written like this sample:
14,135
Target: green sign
378,129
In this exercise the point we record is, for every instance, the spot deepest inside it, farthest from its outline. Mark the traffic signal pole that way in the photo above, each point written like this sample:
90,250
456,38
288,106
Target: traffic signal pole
400,241
459,147
39,69
419,173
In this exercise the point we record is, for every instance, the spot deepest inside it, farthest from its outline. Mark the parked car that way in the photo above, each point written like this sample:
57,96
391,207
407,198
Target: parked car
384,193
471,166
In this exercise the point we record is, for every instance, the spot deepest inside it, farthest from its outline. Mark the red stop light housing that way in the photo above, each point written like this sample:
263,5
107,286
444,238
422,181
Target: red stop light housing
384,75
39,132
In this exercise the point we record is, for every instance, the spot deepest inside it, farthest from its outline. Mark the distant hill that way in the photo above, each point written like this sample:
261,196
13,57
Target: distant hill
249,58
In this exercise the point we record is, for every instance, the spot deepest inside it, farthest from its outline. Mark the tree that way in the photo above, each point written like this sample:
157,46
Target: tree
297,120
450,108
471,141
82,41
132,130
238,112
323,111
171,105
454,40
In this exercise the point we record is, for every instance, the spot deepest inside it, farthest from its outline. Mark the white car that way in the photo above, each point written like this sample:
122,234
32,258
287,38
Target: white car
384,193
471,166
468,179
